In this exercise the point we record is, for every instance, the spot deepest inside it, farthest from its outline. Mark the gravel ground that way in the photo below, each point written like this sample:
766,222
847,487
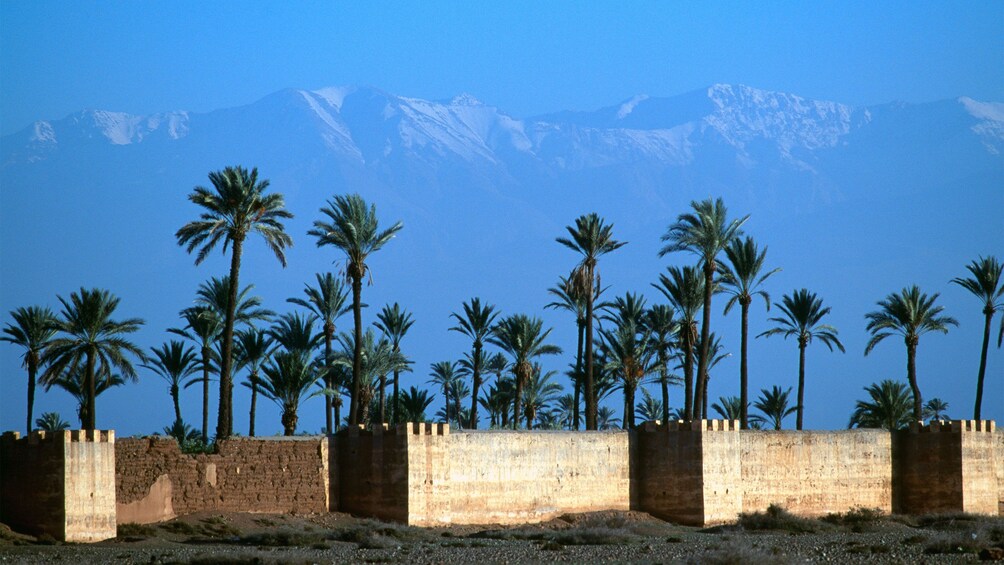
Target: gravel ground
606,537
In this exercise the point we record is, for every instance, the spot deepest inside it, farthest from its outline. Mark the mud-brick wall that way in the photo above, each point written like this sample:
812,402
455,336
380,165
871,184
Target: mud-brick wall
816,473
514,478
154,481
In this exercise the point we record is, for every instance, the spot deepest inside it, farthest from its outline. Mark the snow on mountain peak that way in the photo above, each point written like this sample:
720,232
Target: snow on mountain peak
42,132
628,107
993,111
335,95
464,99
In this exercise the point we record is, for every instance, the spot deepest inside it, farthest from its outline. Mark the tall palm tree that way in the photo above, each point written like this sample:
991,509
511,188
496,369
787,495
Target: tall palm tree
660,321
173,362
73,381
378,358
353,228
327,302
236,206
706,232
523,338
803,312
443,375
773,407
888,409
93,342
52,422
591,238
32,329
288,378
394,322
742,278
684,288
203,326
911,314
717,353
629,357
985,284
476,323
253,350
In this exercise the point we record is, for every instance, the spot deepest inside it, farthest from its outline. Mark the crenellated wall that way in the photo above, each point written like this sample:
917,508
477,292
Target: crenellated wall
60,484
76,486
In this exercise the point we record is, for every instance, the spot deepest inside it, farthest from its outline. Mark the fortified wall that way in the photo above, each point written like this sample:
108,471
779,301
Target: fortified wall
76,486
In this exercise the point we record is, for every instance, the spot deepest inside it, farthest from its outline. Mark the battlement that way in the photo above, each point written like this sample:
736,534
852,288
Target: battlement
692,426
63,436
406,429
954,426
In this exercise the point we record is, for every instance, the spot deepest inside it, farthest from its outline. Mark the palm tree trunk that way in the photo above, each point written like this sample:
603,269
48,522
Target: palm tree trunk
911,375
456,400
577,385
743,371
476,370
801,383
383,403
91,391
357,356
590,388
702,359
337,405
664,383
628,407
989,314
704,399
225,422
205,395
177,404
32,379
329,331
289,421
394,399
518,395
688,373
254,402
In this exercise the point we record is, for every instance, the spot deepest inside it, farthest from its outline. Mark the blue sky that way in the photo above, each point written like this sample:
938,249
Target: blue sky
527,58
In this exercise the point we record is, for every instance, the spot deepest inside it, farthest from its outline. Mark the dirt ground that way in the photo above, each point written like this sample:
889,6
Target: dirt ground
622,537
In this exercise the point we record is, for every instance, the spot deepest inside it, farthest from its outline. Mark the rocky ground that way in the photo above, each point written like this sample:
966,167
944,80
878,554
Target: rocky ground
860,536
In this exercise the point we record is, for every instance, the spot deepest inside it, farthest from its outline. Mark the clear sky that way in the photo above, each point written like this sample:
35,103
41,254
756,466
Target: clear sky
525,57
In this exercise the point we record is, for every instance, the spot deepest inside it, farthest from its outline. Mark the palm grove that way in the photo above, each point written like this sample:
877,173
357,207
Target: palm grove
622,342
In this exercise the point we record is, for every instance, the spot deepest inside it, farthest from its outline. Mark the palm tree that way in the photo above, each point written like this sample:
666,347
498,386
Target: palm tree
650,408
394,322
592,239
378,358
52,422
475,323
73,381
629,358
888,409
773,405
606,418
215,294
684,288
295,333
444,376
728,407
253,350
353,229
742,278
985,284
92,342
523,337
662,326
706,232
935,408
413,404
203,326
288,378
236,206
327,302
803,312
538,395
911,314
182,433
716,350
32,329
174,363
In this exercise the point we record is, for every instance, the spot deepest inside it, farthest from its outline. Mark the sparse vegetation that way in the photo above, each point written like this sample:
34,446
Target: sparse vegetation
777,518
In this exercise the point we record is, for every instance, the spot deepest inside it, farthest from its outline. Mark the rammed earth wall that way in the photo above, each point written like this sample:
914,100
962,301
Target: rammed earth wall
76,487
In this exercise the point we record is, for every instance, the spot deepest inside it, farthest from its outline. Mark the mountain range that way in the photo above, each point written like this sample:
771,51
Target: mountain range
876,197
